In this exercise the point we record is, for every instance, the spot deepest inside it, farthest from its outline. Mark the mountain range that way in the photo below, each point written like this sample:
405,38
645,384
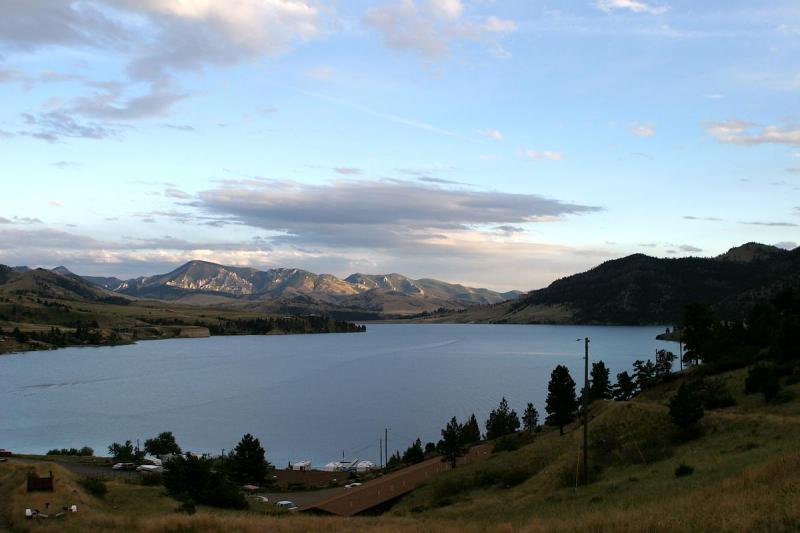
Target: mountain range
639,289
294,290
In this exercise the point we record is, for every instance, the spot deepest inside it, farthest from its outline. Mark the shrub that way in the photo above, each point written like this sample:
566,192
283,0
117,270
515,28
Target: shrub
716,394
96,486
192,478
684,470
782,396
152,479
686,407
187,507
764,378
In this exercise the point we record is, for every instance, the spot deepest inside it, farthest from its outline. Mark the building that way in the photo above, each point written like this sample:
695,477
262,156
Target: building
303,465
358,466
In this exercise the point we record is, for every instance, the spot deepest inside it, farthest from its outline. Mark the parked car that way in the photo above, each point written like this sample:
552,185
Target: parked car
352,485
150,469
262,499
124,466
286,504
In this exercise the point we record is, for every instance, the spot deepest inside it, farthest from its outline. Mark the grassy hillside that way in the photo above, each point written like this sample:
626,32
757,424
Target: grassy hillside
746,477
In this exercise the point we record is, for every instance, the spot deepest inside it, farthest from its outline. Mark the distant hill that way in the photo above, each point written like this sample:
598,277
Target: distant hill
59,283
639,289
205,283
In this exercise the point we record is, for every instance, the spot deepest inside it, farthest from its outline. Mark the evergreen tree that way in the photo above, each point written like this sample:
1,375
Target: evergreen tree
164,444
561,401
247,461
697,326
451,444
471,431
414,453
644,373
625,389
686,407
663,366
530,418
502,421
600,382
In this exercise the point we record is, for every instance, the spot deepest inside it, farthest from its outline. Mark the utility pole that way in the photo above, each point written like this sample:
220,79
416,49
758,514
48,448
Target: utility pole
380,451
680,344
386,445
586,413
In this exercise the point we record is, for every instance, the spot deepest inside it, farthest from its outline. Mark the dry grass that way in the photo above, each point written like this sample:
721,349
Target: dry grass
746,478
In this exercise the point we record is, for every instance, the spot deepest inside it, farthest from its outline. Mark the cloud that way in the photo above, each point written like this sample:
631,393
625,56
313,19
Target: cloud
322,72
179,127
54,126
643,130
772,224
786,245
647,244
112,104
66,164
374,214
347,171
440,181
429,28
747,133
536,155
707,219
635,6
492,134
689,248
173,192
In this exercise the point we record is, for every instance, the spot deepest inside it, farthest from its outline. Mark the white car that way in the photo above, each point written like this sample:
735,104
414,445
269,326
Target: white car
151,469
124,466
286,504
352,485
262,499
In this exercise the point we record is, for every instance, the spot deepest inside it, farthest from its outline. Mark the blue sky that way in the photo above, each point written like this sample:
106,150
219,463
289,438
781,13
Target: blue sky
494,143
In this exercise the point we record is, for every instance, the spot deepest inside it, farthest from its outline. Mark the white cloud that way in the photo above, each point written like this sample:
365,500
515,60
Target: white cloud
536,155
450,9
748,133
429,28
322,72
636,6
643,130
498,25
492,134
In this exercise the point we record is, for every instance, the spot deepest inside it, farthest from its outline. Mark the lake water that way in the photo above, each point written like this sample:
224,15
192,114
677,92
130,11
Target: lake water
305,396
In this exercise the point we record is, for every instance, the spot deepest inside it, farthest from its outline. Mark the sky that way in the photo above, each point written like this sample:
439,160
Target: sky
495,143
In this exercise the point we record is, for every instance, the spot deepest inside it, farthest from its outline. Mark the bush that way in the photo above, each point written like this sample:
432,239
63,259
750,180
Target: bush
192,478
782,396
187,507
684,470
96,486
75,452
716,394
764,378
686,407
152,479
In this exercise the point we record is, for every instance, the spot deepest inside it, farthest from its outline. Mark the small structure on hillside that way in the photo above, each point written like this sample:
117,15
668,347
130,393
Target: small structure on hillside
303,466
36,483
358,466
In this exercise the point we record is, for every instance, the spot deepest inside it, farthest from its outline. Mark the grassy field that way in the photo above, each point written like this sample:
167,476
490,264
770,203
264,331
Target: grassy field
746,477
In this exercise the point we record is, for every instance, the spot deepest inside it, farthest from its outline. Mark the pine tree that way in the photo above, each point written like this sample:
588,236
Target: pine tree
561,401
686,407
247,461
471,431
451,444
530,418
502,421
600,383
625,389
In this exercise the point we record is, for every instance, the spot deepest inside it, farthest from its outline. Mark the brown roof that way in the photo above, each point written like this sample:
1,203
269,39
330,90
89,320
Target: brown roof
391,486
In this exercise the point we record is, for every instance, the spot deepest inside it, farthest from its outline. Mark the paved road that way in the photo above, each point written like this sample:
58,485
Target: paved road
391,486
82,469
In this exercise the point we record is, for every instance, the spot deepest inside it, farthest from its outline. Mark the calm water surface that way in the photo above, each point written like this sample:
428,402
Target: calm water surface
304,396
